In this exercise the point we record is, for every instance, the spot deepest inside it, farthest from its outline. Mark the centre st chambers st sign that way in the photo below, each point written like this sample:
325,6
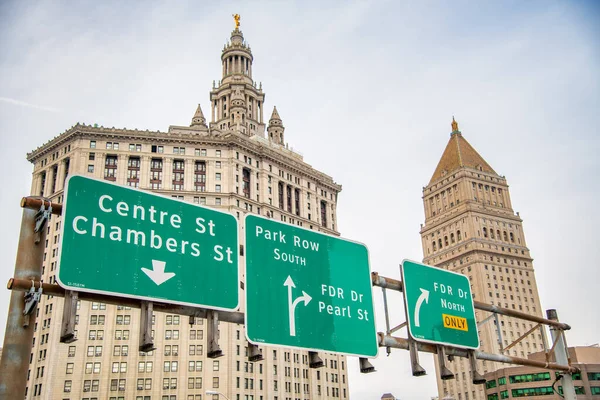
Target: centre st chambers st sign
308,290
121,241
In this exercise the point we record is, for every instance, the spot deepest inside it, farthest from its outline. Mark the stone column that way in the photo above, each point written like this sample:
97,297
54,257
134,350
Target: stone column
99,165
167,181
188,179
60,179
36,185
48,183
122,167
144,172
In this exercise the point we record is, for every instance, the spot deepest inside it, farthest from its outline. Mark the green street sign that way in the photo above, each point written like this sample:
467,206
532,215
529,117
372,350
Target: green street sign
439,306
307,290
126,242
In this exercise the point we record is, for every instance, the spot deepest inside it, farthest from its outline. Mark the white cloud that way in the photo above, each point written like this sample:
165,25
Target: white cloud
25,104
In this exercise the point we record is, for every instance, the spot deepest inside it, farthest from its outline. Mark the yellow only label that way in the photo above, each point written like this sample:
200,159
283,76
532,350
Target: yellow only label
452,322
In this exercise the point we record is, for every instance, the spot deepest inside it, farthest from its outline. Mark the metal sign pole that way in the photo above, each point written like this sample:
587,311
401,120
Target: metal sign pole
21,312
562,356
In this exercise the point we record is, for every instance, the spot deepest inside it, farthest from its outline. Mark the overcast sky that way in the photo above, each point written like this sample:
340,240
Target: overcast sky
366,91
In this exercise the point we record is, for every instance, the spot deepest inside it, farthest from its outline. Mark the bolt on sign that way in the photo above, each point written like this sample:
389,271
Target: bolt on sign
127,242
307,290
439,306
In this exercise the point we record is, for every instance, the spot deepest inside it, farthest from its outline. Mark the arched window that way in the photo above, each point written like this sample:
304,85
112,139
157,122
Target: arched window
505,237
512,237
452,237
458,236
433,245
485,234
440,243
445,240
492,233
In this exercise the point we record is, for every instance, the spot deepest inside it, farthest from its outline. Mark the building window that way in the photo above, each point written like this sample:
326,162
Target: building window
324,213
218,201
200,176
217,153
92,144
110,168
90,168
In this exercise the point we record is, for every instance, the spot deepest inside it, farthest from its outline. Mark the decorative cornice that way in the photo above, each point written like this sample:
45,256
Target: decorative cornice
193,137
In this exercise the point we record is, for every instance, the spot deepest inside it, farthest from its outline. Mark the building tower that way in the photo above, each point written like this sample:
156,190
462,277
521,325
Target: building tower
229,165
237,103
471,228
276,128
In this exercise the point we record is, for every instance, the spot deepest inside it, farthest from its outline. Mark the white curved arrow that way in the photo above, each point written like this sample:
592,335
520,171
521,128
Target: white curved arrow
423,297
157,273
292,304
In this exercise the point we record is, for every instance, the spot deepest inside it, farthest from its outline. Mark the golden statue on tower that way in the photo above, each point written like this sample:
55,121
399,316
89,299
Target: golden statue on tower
236,17
454,125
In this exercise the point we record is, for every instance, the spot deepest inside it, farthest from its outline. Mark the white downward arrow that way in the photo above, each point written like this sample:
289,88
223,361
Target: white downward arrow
292,304
423,297
157,273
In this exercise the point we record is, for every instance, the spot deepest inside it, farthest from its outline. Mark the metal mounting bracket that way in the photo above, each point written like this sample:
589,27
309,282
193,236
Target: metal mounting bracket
417,370
212,319
41,217
314,361
67,330
365,366
146,342
445,372
31,300
478,379
254,353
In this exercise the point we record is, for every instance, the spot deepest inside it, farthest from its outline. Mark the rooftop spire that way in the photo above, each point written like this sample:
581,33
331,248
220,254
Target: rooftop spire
275,129
275,115
198,119
459,154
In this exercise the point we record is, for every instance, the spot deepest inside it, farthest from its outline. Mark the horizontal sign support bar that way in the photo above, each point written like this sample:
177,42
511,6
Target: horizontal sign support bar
394,284
56,290
401,343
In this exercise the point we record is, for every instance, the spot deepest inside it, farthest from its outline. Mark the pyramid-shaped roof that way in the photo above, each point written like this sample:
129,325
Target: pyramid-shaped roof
199,113
459,153
275,114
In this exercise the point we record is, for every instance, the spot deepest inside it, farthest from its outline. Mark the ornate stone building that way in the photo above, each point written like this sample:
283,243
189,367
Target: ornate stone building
471,228
236,163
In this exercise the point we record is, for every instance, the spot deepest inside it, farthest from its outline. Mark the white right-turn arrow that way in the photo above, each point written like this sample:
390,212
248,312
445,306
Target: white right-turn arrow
423,297
293,303
157,273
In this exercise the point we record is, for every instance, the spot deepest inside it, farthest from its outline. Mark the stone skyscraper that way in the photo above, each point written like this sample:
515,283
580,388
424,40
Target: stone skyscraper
237,163
471,228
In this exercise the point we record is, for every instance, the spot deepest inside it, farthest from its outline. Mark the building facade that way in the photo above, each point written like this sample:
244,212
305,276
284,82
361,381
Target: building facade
515,382
236,163
470,228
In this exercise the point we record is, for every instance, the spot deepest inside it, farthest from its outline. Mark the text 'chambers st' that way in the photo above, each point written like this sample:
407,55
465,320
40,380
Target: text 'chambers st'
127,213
